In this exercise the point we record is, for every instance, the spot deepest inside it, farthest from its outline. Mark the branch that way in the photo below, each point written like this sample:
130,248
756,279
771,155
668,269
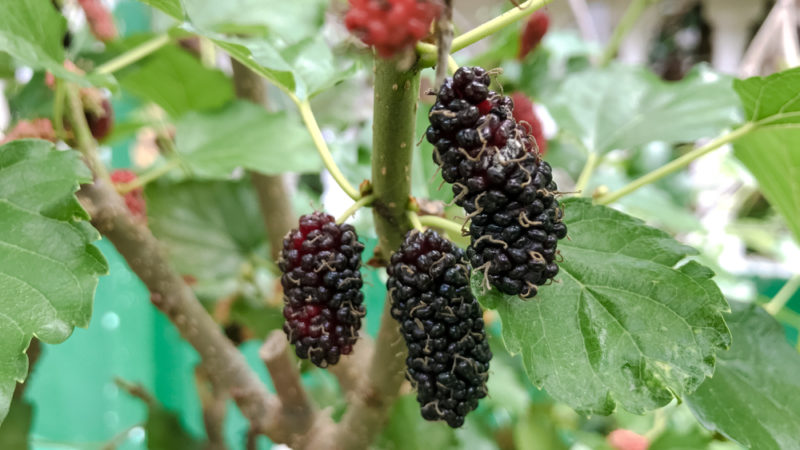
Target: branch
213,402
349,371
286,379
273,198
224,364
396,95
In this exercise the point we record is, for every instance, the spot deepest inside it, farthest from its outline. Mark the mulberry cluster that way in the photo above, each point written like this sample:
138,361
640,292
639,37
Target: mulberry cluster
442,324
500,180
323,303
391,25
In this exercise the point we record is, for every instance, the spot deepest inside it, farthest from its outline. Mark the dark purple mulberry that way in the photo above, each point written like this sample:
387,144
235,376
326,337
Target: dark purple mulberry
323,303
442,324
500,180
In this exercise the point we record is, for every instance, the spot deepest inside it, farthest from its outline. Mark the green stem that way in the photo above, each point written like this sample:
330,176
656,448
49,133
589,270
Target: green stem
58,110
493,26
148,177
783,296
133,55
586,173
441,222
83,135
322,147
677,164
632,14
414,219
393,142
360,203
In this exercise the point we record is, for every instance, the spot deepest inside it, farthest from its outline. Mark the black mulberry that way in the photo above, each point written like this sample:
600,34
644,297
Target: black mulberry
323,302
501,181
442,324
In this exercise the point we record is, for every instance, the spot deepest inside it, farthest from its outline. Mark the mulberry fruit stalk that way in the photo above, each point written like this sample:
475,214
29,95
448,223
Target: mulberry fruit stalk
442,325
499,178
323,302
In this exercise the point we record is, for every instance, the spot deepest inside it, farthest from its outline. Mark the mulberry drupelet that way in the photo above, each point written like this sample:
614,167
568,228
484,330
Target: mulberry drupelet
442,324
323,303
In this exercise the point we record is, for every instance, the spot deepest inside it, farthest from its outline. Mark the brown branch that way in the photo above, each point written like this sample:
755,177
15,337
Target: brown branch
273,199
226,367
286,379
213,401
350,368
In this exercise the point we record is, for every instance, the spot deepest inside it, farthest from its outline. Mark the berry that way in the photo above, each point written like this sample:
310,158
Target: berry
442,325
500,180
323,303
532,34
134,199
100,20
31,129
100,118
524,112
391,25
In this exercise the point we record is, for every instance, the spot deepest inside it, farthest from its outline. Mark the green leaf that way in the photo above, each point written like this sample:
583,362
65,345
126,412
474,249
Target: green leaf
407,430
277,39
771,99
48,265
179,83
211,229
623,107
32,31
752,397
245,135
770,152
171,7
623,322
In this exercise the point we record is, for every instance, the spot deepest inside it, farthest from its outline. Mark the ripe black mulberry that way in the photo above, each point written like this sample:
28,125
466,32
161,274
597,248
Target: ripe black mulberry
442,324
323,302
501,181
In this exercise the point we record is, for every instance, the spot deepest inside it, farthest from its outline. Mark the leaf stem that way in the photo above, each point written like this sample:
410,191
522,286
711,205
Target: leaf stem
133,55
360,203
783,296
322,147
493,26
441,222
452,65
677,164
583,179
148,177
632,14
414,219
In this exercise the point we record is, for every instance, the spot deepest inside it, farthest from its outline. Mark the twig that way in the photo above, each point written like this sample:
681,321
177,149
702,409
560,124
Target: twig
213,401
286,379
85,142
677,164
763,40
444,38
226,367
273,198
791,52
